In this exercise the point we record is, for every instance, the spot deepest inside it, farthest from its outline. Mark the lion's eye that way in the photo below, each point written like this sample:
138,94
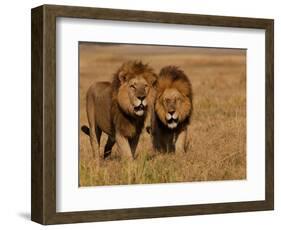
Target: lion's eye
132,87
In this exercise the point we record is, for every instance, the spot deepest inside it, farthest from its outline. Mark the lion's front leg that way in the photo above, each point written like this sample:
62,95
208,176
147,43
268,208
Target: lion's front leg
123,146
180,142
149,119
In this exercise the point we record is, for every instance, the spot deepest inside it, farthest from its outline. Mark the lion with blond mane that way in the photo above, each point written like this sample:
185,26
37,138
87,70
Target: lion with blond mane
119,108
173,108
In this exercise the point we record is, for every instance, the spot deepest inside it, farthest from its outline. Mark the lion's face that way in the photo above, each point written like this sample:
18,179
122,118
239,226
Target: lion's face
136,87
132,96
137,94
172,107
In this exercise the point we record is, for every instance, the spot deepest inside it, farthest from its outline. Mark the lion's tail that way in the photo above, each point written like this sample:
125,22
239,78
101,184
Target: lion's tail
86,130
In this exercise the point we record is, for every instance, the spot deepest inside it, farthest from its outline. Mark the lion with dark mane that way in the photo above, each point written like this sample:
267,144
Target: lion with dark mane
119,108
173,108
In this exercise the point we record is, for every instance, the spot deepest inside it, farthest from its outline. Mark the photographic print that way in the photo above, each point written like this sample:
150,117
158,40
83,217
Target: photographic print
161,114
163,105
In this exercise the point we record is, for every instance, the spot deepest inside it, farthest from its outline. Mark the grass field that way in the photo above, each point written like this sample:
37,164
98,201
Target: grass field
217,134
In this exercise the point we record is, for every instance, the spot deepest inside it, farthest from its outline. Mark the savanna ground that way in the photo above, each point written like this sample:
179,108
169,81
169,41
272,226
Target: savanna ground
217,133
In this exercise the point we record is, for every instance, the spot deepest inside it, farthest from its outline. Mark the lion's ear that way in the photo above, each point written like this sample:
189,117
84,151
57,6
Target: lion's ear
122,76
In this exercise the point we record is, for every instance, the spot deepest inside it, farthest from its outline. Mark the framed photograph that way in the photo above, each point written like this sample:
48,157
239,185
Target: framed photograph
141,114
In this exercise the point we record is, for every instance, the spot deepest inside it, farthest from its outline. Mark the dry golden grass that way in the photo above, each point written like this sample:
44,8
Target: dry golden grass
217,134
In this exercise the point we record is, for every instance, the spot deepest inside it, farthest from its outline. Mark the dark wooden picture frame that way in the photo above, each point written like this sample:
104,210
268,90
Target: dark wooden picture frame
43,170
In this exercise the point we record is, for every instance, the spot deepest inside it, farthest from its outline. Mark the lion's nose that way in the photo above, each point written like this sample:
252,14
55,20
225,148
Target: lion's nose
141,98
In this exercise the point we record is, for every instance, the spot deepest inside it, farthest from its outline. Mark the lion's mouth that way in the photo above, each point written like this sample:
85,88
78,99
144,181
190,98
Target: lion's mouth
139,110
172,123
173,120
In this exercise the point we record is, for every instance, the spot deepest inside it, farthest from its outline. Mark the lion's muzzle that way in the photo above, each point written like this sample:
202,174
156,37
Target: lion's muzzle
140,106
172,119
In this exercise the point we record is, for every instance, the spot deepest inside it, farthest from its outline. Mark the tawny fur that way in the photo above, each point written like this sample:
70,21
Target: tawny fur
119,108
173,109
